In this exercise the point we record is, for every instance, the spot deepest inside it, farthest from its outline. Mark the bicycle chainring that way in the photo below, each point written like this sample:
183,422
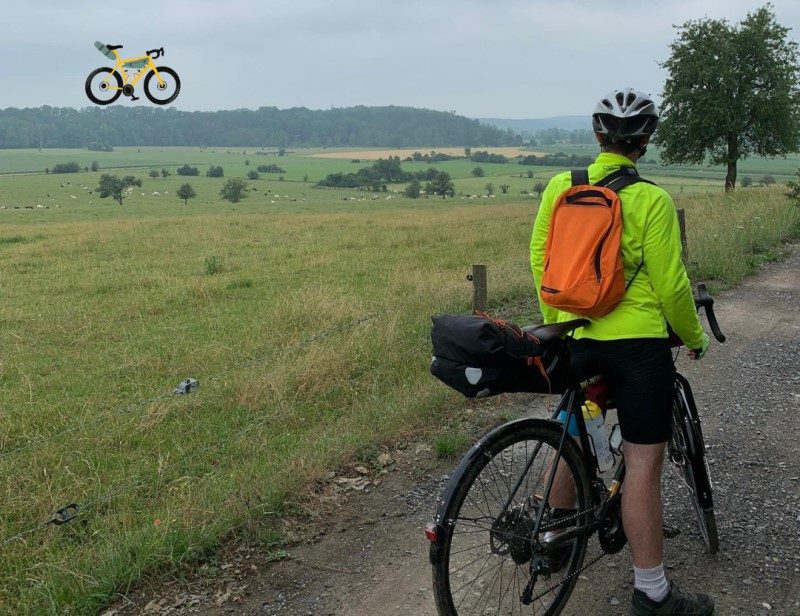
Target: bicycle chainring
611,534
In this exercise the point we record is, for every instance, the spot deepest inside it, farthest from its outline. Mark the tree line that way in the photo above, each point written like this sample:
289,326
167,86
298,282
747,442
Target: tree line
102,128
377,176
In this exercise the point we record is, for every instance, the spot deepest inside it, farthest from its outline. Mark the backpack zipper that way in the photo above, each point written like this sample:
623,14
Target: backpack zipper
597,272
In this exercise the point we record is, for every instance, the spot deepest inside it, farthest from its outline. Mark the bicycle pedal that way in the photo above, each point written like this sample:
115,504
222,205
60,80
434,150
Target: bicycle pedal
670,532
134,98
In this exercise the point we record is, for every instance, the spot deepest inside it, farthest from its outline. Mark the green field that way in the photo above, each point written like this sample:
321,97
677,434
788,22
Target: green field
302,311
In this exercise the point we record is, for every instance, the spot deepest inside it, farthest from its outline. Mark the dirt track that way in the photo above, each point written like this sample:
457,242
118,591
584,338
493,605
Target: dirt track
370,557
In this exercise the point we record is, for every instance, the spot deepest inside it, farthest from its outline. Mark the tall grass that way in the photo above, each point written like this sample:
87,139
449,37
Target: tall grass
729,236
98,314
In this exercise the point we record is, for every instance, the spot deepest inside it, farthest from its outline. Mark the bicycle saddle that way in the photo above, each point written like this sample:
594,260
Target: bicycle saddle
555,331
113,47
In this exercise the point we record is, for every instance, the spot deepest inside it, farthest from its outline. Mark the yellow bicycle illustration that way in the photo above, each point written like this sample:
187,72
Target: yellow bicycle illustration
104,85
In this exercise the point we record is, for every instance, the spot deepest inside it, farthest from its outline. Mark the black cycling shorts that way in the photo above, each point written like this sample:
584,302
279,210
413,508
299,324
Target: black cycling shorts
640,374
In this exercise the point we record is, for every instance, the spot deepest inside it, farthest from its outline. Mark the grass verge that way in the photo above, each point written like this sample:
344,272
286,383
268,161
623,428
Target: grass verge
98,314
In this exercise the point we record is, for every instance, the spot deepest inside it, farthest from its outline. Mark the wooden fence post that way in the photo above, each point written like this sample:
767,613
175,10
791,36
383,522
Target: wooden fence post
478,278
682,223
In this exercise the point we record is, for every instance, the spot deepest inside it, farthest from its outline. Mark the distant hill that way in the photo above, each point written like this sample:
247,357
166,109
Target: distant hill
534,125
66,127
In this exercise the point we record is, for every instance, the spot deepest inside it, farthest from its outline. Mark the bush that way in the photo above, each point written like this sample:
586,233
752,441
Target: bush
153,173
477,172
413,189
487,157
99,147
252,175
215,172
747,181
187,170
165,173
66,168
95,165
767,180
271,169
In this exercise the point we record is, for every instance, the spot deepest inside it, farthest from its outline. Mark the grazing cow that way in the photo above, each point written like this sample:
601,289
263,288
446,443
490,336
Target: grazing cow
156,193
73,197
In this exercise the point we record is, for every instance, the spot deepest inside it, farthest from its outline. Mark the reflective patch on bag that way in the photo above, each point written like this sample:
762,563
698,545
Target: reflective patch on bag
473,375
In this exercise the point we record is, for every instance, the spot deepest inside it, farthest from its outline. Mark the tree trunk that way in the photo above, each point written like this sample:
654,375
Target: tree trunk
730,179
733,157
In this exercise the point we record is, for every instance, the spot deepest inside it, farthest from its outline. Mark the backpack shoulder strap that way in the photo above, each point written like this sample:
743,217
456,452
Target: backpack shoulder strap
622,177
580,177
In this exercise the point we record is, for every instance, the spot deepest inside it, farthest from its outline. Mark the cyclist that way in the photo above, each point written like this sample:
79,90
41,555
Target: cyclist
628,346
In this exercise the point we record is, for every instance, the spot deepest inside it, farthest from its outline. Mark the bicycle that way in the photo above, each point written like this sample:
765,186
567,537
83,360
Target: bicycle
488,548
162,91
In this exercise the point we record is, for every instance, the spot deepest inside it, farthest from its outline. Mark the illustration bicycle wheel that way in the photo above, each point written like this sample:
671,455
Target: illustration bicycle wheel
100,89
488,560
687,453
165,91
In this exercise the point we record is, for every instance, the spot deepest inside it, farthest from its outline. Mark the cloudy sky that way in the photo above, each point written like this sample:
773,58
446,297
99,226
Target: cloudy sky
498,58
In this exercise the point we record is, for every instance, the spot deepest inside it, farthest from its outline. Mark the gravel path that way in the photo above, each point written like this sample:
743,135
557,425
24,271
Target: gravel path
369,556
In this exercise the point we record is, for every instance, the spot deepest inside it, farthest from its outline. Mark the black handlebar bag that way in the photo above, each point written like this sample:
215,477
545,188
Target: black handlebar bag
480,356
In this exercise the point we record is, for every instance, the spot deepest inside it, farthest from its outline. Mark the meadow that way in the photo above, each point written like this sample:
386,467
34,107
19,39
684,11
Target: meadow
303,312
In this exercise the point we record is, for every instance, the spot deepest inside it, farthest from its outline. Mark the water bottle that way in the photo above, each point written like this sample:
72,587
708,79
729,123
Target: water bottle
593,417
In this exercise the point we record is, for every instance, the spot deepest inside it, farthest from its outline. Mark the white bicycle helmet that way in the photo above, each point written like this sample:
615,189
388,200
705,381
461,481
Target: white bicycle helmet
624,115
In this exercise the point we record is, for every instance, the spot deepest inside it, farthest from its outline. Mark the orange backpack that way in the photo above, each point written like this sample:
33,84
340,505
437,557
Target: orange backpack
583,271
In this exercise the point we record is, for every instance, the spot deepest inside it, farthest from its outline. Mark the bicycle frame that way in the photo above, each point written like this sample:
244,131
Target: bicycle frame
119,67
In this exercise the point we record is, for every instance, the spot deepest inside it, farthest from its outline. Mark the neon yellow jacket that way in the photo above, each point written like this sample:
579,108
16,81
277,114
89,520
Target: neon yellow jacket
660,292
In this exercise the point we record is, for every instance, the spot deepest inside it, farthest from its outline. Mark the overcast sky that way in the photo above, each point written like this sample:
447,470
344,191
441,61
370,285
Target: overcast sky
481,58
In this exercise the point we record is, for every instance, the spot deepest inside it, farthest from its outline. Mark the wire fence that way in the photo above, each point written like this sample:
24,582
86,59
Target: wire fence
73,510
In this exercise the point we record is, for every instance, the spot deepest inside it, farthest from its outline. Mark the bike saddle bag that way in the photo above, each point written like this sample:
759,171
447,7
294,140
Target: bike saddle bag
480,356
101,47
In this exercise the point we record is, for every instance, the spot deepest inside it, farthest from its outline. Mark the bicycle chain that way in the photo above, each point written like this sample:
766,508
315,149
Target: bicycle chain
561,521
550,589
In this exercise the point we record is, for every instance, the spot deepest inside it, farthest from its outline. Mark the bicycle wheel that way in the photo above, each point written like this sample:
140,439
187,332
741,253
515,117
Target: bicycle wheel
100,91
165,91
687,453
484,560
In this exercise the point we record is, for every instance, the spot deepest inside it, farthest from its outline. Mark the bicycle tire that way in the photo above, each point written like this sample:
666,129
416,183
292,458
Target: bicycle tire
469,474
88,86
689,456
151,96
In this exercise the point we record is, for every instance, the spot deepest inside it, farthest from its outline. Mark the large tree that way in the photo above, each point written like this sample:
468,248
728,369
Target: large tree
732,91
114,187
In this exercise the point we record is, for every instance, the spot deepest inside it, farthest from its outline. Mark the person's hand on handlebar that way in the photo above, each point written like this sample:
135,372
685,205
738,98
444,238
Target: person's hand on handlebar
701,352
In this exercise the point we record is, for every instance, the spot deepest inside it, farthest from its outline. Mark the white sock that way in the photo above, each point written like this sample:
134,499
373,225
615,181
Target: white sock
652,582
